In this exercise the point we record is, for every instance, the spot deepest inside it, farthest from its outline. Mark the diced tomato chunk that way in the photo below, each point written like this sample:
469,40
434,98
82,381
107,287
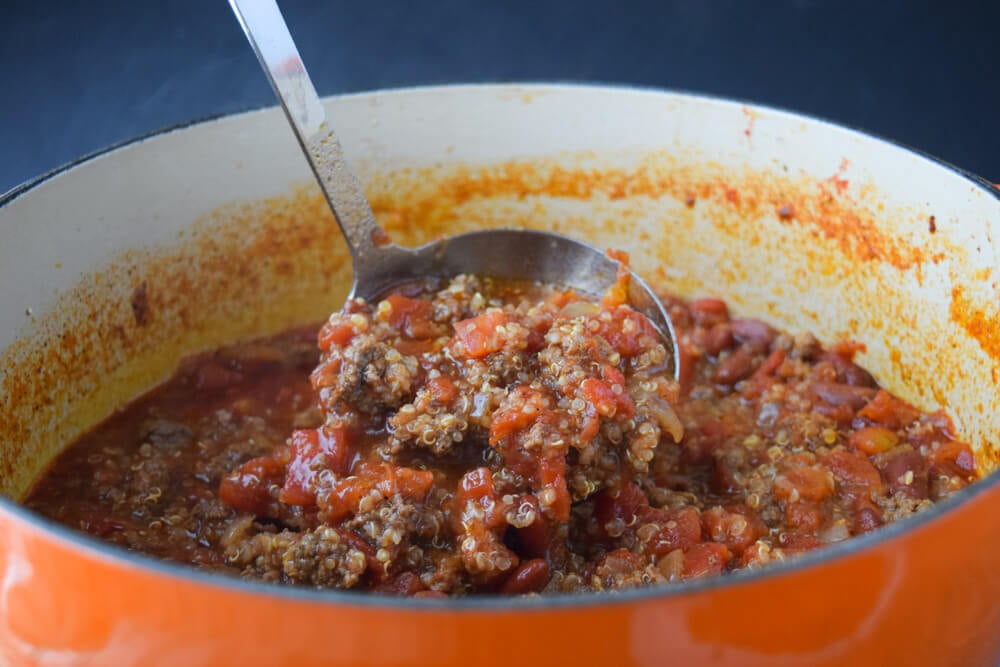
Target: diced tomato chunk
889,411
676,529
847,349
616,295
337,331
873,440
305,452
954,458
560,299
736,526
343,499
602,396
384,479
625,330
803,482
442,389
552,480
755,555
620,256
414,317
312,451
410,483
249,488
479,335
706,558
476,487
805,515
519,410
591,424
612,375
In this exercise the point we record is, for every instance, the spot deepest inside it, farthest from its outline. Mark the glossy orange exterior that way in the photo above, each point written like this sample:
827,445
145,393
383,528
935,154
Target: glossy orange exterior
885,604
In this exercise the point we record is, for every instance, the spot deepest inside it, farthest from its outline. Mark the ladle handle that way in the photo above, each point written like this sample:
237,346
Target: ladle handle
265,27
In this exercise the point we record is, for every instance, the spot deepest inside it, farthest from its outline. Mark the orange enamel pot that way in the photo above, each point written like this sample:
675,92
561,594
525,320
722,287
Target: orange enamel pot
114,268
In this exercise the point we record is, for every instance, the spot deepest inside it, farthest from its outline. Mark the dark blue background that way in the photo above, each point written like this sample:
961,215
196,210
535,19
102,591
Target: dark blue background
77,76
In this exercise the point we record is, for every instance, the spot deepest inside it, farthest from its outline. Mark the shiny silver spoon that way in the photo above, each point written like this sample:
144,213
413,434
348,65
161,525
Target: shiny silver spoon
507,254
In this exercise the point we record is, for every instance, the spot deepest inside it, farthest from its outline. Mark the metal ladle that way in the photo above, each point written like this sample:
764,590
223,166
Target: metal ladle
507,254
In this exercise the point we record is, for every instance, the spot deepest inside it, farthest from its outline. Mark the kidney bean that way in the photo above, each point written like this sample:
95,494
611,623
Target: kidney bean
406,583
837,394
715,339
709,311
857,376
616,509
841,415
855,472
679,313
100,525
758,335
867,517
528,577
738,365
906,474
849,372
724,476
213,376
762,379
771,364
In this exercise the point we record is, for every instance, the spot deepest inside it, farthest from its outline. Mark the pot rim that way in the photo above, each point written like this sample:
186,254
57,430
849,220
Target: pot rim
302,594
